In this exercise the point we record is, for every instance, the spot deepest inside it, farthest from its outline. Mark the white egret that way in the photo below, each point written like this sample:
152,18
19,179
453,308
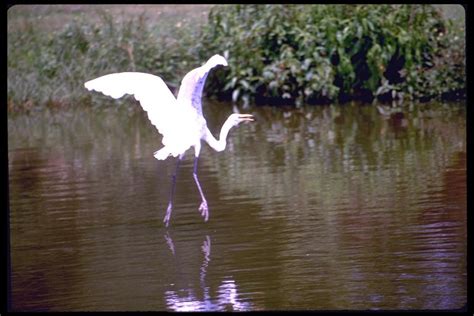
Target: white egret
179,120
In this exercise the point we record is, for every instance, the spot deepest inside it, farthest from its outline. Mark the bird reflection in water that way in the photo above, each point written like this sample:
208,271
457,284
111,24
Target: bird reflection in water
227,294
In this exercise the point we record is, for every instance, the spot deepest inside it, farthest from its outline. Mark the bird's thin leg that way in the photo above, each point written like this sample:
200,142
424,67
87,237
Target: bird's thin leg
203,207
166,220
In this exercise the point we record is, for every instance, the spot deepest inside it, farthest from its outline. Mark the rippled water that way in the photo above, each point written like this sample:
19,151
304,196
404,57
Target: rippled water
334,207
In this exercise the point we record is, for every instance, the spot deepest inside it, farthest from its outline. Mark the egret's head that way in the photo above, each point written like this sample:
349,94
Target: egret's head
233,120
236,118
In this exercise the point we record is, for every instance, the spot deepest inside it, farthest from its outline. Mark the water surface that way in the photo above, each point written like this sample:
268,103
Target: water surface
334,207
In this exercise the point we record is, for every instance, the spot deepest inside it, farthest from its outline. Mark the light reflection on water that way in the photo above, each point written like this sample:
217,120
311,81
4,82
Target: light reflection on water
335,207
185,299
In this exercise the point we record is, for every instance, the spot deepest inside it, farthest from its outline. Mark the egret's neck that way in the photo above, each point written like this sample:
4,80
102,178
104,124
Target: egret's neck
219,145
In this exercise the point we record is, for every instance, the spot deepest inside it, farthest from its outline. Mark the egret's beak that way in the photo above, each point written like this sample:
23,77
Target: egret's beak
246,117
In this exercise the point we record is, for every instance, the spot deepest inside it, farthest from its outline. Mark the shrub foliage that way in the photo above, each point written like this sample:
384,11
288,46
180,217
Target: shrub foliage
322,53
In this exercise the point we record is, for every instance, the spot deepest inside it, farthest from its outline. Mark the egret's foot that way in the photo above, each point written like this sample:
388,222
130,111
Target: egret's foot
204,210
166,220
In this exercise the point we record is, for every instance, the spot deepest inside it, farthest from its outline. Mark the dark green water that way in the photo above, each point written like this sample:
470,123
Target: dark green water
334,207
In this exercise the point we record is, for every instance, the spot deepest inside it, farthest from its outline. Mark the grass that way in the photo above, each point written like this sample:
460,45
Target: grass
52,18
54,49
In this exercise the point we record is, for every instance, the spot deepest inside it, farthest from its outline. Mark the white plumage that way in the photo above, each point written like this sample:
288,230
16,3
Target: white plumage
175,120
179,120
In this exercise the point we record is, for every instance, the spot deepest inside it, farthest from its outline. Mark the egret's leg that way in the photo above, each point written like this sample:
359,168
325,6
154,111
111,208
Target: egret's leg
203,207
166,220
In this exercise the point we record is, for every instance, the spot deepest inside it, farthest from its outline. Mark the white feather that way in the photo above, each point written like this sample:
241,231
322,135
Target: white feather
174,120
180,120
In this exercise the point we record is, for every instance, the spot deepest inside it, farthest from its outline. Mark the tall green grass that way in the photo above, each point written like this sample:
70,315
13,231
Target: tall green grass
50,68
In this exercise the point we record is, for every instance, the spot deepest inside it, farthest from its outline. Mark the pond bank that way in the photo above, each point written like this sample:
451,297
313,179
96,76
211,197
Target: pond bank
60,47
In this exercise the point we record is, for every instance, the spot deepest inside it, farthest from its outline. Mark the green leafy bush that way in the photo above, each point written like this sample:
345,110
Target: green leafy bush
320,53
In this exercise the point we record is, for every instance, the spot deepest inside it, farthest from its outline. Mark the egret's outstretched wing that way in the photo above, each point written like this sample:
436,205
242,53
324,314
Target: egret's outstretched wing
193,83
151,91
